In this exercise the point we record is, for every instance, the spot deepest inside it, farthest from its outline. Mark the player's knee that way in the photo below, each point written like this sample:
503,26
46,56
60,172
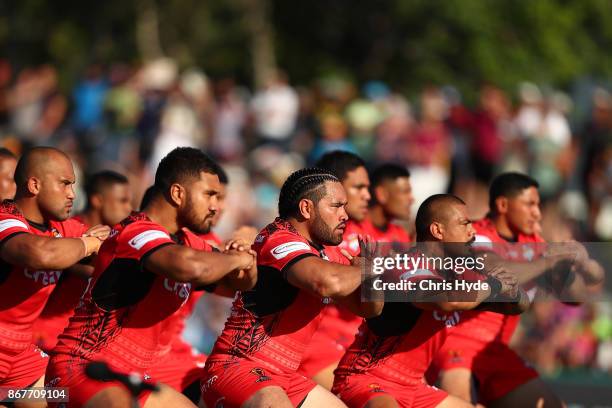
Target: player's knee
268,397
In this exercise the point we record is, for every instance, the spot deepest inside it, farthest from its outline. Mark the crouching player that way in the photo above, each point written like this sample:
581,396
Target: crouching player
386,364
255,360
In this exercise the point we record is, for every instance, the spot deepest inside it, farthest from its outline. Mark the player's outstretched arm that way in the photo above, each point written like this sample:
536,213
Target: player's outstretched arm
36,252
502,289
184,264
336,281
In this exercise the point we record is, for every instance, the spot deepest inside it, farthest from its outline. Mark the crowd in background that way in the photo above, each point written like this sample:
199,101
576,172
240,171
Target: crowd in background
127,117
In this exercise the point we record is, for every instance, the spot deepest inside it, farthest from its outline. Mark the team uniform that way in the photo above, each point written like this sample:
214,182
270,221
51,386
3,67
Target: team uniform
23,294
182,366
60,306
481,342
392,351
127,317
270,326
339,326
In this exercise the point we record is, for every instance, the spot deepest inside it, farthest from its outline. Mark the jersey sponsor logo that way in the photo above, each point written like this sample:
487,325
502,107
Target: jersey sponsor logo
451,319
375,387
45,278
144,238
182,290
282,250
12,223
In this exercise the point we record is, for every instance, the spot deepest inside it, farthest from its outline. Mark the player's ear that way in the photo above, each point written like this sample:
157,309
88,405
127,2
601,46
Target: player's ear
436,230
306,208
501,204
33,185
381,194
177,194
96,201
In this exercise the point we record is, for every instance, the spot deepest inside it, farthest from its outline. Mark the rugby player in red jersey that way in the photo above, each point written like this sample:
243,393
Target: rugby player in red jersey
109,200
339,325
255,360
8,162
386,364
143,276
391,200
37,242
479,346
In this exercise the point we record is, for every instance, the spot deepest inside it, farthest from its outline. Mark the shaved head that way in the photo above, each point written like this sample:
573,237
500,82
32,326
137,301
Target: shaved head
437,208
37,162
45,176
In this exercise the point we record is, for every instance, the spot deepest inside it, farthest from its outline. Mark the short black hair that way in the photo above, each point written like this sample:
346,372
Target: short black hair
223,179
101,180
181,164
384,172
509,185
340,163
4,152
429,211
305,183
148,196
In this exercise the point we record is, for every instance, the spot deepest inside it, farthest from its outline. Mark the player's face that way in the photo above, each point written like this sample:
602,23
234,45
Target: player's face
524,211
458,231
7,181
330,218
399,198
201,204
357,184
116,203
56,193
220,204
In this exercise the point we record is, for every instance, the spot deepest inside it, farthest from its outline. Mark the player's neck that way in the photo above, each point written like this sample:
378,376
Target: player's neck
378,217
161,213
301,228
503,227
30,210
91,217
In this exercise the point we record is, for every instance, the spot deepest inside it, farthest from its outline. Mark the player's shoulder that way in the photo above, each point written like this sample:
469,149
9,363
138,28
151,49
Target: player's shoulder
196,241
277,232
137,226
8,210
485,231
399,233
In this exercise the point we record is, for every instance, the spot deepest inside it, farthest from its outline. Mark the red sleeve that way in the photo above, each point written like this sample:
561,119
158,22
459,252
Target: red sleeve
282,249
11,225
140,239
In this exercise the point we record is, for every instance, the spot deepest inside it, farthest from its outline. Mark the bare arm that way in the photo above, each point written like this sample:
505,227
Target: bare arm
184,264
36,252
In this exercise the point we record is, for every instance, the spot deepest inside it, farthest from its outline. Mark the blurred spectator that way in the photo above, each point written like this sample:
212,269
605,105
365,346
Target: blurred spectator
275,110
37,107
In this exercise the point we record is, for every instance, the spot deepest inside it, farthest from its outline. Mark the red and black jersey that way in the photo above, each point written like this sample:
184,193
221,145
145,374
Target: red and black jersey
273,323
491,326
24,292
400,343
128,313
60,306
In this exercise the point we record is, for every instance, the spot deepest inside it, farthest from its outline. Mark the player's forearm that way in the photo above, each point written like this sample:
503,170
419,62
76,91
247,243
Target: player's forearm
371,308
48,253
508,306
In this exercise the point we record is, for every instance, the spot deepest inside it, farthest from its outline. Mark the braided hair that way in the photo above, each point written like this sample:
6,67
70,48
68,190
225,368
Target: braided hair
306,183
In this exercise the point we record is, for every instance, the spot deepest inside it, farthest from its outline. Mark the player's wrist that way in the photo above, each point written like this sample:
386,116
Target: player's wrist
495,287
